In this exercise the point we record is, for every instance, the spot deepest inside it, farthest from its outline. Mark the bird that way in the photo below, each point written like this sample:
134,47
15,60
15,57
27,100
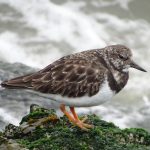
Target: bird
84,79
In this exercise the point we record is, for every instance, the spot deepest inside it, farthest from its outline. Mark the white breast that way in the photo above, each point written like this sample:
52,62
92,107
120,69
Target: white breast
105,94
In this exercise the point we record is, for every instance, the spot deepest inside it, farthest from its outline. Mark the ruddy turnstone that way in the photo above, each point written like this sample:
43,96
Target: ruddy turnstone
84,79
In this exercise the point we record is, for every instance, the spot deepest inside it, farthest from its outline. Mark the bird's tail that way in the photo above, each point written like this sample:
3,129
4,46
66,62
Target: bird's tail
19,82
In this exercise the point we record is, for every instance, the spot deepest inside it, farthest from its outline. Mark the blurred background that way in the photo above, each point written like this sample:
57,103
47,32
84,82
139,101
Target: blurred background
37,32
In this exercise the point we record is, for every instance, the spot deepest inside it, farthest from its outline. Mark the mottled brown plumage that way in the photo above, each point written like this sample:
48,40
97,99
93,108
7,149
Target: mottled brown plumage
72,76
93,74
79,74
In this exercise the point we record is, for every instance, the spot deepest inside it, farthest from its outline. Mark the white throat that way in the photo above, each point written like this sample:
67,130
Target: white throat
126,69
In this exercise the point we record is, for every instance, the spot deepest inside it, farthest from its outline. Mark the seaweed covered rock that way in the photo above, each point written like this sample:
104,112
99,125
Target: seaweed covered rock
41,129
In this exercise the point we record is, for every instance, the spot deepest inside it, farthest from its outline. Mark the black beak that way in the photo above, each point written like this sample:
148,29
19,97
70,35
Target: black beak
136,66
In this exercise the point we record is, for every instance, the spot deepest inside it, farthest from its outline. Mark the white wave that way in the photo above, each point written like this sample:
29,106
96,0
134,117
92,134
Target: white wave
7,117
58,23
10,50
80,30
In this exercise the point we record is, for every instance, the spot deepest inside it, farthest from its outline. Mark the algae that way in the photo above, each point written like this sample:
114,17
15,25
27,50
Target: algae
53,133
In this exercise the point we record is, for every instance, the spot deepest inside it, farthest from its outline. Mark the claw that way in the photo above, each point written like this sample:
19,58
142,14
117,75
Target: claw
88,125
82,126
84,119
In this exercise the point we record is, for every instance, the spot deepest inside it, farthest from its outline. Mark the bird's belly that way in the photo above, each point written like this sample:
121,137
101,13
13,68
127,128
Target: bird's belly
105,94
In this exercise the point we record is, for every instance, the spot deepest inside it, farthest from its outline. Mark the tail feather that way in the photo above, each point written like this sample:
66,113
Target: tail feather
19,82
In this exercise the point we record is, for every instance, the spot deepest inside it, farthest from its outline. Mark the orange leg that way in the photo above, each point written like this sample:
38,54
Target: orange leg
72,119
78,120
76,116
63,109
74,113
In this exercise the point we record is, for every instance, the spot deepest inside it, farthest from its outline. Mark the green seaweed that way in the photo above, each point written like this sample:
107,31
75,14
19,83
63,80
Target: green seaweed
60,134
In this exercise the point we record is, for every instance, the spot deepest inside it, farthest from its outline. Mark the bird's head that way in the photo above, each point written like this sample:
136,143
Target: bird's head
120,58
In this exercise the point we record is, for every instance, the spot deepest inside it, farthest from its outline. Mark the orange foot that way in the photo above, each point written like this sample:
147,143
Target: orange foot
75,119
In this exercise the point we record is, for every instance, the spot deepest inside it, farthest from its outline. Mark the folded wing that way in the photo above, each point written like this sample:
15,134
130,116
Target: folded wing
67,77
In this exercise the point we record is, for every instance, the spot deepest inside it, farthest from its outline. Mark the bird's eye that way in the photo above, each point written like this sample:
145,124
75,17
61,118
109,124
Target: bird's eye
123,57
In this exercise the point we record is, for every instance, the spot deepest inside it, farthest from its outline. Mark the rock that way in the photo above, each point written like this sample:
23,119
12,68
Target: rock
41,129
11,145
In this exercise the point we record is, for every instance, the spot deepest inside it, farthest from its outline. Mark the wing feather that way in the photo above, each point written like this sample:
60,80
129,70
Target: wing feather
67,77
72,79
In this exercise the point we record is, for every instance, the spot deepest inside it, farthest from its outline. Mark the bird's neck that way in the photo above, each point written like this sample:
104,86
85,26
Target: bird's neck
117,80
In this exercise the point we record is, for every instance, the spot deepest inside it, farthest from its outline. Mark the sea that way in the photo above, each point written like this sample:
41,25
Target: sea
38,32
